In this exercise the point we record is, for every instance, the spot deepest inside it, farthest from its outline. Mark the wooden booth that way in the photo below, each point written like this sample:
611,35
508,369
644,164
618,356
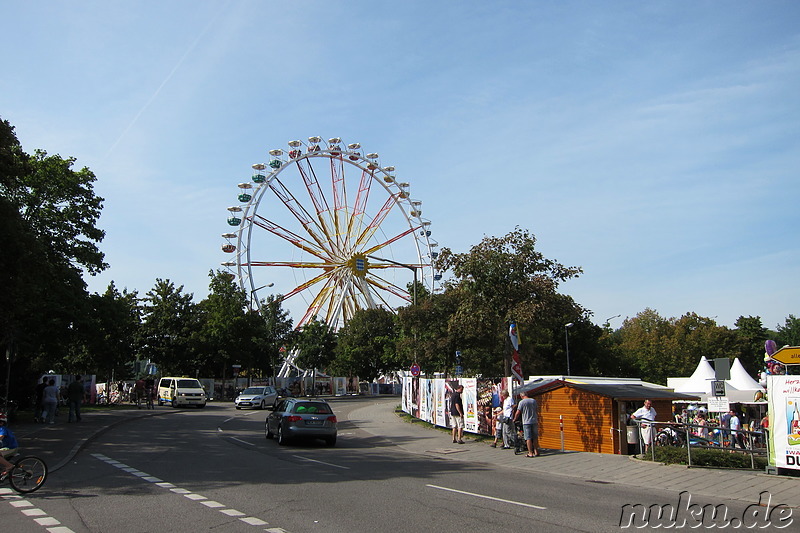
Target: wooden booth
594,415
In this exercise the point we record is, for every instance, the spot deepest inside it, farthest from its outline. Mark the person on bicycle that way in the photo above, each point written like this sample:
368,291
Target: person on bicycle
8,444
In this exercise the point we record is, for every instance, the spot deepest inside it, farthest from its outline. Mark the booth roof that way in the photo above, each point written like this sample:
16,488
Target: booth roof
617,391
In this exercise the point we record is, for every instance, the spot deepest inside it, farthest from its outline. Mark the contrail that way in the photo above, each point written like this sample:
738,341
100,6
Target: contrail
166,80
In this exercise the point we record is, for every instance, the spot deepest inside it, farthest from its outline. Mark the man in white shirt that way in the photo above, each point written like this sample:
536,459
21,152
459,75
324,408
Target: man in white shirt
735,425
646,414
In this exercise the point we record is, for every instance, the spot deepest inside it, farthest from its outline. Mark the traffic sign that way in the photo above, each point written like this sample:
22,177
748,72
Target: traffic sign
415,370
719,388
788,355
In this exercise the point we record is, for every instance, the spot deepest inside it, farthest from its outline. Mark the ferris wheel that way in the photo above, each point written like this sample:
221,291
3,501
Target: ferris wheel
332,230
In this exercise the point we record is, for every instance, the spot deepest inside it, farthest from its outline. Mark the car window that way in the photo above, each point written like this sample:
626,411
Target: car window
165,382
189,384
281,406
252,390
312,408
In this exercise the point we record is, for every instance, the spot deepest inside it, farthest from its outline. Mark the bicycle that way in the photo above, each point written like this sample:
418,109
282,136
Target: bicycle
28,474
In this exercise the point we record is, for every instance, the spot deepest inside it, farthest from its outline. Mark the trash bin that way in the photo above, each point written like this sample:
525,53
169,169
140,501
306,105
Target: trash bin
633,440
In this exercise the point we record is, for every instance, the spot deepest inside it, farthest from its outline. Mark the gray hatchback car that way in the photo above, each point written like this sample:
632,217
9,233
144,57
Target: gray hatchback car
300,418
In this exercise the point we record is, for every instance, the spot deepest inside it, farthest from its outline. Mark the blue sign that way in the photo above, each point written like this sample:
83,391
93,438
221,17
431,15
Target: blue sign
361,264
459,370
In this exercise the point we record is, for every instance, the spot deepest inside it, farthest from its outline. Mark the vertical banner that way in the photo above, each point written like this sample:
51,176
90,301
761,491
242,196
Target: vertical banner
784,410
470,399
516,361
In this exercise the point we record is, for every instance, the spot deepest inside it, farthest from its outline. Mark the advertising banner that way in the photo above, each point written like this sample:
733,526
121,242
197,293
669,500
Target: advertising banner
784,408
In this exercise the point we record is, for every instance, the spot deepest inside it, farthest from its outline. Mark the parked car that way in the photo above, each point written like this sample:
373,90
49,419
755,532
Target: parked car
299,418
256,398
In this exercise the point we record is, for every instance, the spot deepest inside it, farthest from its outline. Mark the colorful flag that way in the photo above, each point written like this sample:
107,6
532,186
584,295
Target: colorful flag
516,361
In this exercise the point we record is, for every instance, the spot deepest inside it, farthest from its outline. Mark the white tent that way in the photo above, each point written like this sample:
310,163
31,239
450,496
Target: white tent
700,380
741,379
740,388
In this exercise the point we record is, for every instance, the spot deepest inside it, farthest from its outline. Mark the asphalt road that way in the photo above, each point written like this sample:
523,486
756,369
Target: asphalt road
213,470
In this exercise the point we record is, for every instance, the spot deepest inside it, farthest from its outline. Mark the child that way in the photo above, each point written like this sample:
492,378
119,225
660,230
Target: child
8,444
498,425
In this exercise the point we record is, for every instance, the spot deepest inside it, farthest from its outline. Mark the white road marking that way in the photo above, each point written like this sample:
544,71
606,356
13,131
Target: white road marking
242,441
222,508
321,462
512,502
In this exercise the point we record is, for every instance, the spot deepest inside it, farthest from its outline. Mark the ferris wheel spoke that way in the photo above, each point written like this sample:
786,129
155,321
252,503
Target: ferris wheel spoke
356,219
287,235
313,310
390,241
318,199
303,286
372,227
299,212
384,285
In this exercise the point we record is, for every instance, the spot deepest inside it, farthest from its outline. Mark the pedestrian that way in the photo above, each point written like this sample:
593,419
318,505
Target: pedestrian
735,426
647,415
8,444
50,401
138,392
75,393
528,414
509,431
457,414
38,408
498,426
725,425
149,391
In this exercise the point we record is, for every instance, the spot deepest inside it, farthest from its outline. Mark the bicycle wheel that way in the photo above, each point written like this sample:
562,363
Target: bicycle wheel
28,475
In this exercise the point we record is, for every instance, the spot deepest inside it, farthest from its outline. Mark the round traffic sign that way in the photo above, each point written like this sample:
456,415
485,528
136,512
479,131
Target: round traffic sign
415,370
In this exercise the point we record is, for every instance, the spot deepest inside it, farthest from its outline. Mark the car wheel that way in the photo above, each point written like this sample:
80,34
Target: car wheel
174,403
267,432
160,403
331,441
281,437
263,405
237,407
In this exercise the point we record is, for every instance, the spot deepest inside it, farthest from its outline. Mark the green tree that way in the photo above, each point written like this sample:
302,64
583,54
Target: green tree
279,333
48,212
750,337
315,345
367,344
108,339
789,333
424,337
170,322
502,280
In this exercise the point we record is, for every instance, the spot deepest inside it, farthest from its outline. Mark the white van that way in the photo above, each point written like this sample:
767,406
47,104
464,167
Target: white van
181,391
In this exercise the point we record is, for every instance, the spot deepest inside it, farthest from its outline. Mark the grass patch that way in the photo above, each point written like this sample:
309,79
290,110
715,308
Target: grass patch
702,457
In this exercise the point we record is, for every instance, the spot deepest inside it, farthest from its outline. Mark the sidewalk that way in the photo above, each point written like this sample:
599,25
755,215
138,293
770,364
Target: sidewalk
59,443
379,418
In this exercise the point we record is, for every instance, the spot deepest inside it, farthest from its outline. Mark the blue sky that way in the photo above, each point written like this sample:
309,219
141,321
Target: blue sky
654,144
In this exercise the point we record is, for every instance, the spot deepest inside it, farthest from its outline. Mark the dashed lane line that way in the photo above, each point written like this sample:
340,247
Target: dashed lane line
190,495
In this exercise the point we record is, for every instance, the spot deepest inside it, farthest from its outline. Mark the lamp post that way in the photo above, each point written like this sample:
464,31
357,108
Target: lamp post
609,319
410,267
253,292
566,336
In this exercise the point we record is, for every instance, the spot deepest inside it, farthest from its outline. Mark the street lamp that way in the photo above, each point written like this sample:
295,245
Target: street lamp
609,319
566,335
410,267
253,292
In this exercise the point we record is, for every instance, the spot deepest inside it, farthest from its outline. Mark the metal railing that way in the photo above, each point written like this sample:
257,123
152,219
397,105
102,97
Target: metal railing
709,437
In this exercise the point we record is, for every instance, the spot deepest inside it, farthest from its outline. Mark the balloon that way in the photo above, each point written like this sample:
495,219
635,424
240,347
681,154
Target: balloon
770,347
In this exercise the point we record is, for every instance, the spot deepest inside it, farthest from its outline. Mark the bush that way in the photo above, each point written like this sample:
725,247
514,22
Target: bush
702,457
